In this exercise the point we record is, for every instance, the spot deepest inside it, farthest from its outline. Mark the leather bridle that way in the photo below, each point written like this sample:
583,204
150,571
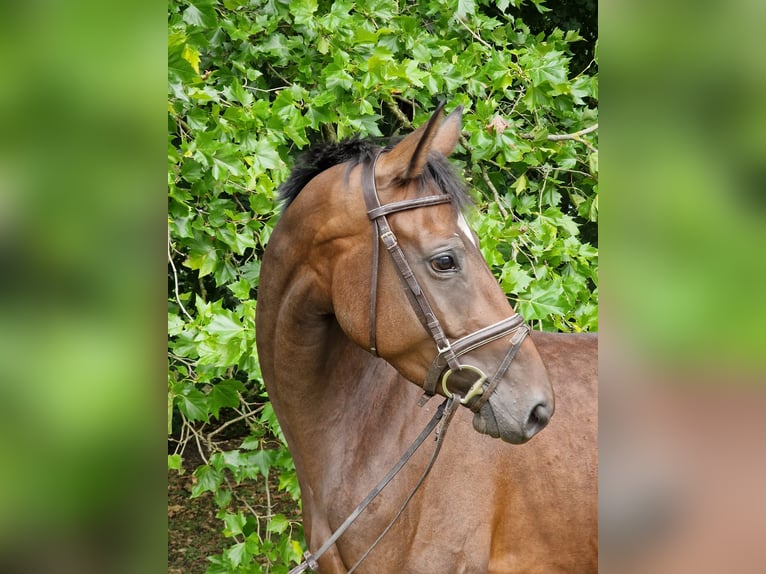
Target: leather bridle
443,366
446,362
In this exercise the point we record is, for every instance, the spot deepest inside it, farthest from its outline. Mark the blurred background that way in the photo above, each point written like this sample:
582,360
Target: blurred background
82,229
83,238
682,308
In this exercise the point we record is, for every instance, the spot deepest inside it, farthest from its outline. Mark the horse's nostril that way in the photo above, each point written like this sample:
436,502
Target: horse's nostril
538,418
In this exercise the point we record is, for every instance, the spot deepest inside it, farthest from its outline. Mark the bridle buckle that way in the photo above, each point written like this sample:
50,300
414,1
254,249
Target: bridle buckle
477,388
389,239
444,350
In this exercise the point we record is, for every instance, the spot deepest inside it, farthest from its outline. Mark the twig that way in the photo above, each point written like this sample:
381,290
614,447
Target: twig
559,137
280,76
196,438
329,132
542,190
475,35
489,183
268,503
230,422
399,114
587,144
254,89
175,280
518,99
182,440
187,362
573,136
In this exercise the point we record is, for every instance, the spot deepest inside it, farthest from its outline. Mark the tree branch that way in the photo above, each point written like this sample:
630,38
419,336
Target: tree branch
175,280
475,35
499,203
399,114
573,136
559,137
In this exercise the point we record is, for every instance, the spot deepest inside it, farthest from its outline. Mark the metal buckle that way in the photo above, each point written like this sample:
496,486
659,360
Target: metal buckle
476,389
388,238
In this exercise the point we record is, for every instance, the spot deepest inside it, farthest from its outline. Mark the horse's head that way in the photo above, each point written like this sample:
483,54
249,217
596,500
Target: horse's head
449,324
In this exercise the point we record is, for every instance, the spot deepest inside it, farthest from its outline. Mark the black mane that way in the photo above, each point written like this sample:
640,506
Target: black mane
322,156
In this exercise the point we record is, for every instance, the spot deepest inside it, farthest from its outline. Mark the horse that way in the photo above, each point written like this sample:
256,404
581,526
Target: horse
349,341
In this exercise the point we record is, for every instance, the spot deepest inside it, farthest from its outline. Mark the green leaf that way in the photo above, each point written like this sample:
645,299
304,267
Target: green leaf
191,55
278,524
514,279
175,324
465,8
222,497
266,156
225,394
193,404
303,10
241,289
540,302
251,443
521,184
237,554
174,462
200,13
208,480
225,326
234,523
202,256
593,163
262,459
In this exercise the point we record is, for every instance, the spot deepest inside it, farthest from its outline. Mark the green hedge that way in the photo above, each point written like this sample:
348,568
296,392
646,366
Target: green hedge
250,84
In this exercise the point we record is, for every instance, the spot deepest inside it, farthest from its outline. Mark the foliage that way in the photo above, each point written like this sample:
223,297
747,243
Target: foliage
251,83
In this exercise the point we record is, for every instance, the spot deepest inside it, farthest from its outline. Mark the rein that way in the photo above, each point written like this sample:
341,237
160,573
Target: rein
444,414
443,366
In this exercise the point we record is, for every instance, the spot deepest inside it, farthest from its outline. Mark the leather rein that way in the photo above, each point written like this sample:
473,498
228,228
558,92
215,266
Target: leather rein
444,364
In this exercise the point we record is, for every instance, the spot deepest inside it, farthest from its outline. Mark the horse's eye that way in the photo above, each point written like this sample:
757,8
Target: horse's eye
443,263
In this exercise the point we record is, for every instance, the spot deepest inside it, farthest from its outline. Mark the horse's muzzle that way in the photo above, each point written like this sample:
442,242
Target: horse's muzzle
495,420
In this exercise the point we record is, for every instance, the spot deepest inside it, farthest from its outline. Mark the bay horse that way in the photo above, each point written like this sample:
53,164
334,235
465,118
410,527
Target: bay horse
348,342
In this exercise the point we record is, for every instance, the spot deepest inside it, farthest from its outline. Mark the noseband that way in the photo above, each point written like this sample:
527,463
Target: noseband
446,362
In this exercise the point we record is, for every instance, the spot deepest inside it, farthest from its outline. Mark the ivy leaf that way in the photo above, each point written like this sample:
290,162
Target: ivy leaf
175,324
224,394
222,497
540,302
303,11
174,462
251,443
262,459
202,256
514,279
234,523
191,55
593,163
201,13
237,554
521,184
225,326
241,289
208,480
278,524
193,404
266,157
465,8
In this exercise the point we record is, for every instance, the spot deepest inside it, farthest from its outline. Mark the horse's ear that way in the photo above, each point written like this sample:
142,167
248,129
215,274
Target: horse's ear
409,156
449,132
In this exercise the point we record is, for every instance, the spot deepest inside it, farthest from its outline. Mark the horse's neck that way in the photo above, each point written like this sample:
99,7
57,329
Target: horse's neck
335,401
